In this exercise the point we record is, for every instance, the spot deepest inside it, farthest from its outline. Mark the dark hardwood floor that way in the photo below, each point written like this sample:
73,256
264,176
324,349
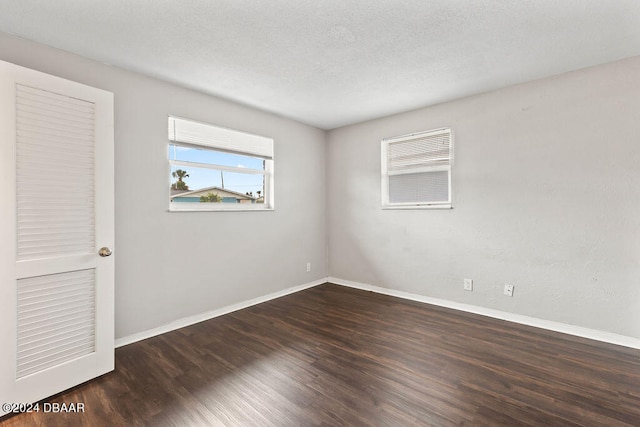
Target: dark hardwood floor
332,355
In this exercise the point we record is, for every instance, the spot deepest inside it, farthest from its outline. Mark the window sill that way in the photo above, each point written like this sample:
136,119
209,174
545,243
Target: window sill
419,207
226,209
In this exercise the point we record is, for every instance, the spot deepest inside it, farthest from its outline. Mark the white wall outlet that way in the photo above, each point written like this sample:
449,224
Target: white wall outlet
308,267
468,284
508,290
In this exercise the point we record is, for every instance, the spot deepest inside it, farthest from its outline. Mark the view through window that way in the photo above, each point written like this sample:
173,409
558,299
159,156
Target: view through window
211,172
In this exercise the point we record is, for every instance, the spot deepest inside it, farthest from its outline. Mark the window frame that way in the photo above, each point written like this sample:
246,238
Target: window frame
385,173
222,140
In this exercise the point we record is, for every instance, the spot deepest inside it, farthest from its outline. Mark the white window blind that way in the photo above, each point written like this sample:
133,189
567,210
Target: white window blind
201,134
416,170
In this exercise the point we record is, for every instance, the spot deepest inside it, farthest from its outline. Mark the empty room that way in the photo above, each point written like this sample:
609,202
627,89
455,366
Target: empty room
322,213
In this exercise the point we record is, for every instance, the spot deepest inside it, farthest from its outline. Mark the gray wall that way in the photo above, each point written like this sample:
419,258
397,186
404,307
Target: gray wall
174,265
546,188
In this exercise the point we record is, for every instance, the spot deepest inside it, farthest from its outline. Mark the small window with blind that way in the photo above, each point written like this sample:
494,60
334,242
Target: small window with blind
213,168
416,170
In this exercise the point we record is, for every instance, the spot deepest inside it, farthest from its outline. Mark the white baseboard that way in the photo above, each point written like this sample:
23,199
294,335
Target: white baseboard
186,321
564,328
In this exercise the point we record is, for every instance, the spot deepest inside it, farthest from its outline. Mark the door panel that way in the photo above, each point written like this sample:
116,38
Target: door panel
55,174
56,316
56,298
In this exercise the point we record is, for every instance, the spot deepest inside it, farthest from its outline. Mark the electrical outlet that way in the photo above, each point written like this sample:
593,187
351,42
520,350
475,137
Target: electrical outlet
308,267
508,290
468,284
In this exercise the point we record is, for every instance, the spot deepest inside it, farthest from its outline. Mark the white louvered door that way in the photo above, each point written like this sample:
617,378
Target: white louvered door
56,186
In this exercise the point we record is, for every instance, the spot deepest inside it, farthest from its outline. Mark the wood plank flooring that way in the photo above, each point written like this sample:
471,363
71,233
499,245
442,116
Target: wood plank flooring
332,355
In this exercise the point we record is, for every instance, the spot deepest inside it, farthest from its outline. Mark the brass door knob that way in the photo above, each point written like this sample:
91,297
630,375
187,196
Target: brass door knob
104,251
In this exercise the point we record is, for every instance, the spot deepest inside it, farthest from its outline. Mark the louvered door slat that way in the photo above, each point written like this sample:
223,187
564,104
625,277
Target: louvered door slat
54,104
55,135
59,323
41,138
57,320
43,342
42,337
70,352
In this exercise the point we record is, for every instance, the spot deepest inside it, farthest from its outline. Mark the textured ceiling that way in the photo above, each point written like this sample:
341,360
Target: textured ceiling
334,62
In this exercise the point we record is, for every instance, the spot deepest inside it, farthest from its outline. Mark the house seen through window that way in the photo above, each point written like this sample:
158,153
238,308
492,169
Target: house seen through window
213,168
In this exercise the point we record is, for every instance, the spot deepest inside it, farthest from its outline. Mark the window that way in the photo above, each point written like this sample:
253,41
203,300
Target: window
213,168
416,170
